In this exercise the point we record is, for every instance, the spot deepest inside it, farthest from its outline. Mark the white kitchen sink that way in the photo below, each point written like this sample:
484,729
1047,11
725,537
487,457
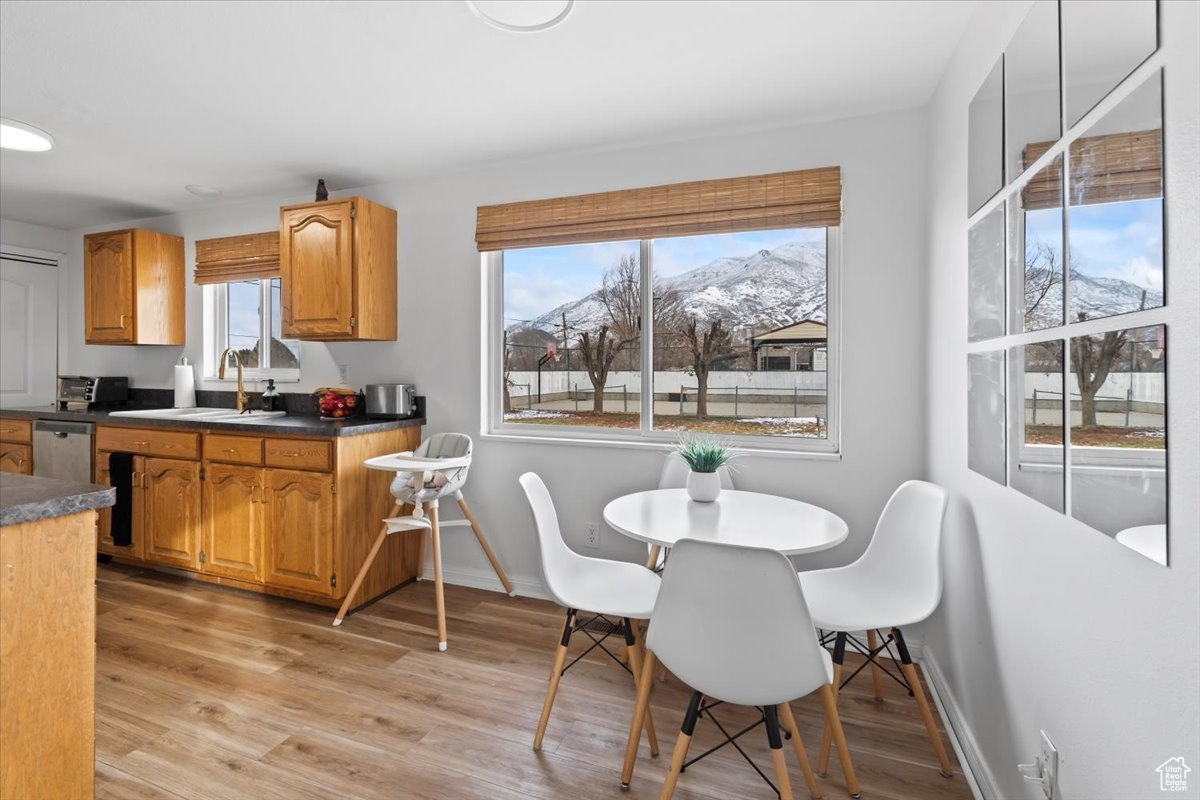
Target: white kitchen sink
200,413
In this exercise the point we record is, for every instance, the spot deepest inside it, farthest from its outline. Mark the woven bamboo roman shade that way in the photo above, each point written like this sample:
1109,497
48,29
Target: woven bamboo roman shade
1104,169
253,256
810,198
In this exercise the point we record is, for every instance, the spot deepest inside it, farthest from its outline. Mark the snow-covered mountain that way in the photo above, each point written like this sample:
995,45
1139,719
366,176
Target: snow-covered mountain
1095,297
772,288
767,289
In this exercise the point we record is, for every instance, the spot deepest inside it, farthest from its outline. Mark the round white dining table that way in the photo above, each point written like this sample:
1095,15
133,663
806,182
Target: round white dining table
664,516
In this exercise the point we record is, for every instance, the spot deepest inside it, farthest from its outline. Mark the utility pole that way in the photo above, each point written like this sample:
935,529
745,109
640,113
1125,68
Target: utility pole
566,345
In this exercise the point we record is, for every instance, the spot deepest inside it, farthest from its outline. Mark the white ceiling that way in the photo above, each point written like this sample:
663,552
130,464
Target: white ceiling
261,98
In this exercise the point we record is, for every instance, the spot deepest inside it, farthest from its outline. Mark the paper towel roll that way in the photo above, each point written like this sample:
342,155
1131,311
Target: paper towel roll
185,386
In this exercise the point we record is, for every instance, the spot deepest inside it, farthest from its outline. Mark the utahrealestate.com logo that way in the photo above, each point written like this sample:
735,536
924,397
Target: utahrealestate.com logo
1172,775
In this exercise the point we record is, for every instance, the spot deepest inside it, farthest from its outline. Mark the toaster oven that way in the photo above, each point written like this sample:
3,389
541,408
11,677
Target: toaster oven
79,392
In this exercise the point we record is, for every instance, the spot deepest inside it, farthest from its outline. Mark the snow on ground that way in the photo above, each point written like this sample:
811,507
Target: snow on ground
533,413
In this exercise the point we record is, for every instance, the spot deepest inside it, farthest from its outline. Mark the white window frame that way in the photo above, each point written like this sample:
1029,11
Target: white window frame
216,335
493,425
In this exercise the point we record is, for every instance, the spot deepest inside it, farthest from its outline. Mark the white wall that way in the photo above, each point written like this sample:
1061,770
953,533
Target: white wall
33,237
882,160
1045,623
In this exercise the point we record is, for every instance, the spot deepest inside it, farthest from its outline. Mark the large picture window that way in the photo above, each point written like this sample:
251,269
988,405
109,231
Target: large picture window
726,334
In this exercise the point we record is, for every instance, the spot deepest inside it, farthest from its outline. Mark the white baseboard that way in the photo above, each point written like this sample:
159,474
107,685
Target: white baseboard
486,579
970,757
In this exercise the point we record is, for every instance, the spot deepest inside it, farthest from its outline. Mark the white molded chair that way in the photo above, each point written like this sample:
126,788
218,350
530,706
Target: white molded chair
895,583
424,490
594,585
731,622
674,476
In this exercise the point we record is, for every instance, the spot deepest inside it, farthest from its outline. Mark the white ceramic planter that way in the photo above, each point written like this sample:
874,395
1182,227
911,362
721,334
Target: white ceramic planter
703,487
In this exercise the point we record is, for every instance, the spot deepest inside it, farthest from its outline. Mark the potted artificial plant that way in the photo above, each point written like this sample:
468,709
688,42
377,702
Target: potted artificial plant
705,457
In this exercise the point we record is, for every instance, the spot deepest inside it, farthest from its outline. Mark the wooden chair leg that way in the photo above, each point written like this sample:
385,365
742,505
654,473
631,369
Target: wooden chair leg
914,680
789,722
362,571
839,656
560,657
640,709
487,548
679,754
876,671
652,561
423,535
662,673
782,779
839,738
439,595
634,649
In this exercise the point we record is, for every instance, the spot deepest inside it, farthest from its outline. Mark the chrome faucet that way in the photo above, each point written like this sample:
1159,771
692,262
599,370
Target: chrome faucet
242,398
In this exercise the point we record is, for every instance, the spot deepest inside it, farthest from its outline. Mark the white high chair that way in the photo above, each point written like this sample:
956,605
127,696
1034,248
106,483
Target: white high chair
435,470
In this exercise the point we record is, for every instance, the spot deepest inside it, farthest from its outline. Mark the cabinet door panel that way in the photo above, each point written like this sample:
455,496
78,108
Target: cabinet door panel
233,521
299,551
171,518
104,542
16,458
317,266
108,288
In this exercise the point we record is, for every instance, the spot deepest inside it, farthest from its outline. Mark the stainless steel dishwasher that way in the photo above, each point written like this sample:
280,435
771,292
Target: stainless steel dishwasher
63,449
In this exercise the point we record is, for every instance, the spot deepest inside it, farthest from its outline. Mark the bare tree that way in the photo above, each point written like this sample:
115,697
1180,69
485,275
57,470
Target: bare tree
1043,272
707,348
1093,358
599,349
620,294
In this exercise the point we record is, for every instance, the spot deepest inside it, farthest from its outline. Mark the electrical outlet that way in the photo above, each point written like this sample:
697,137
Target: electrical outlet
593,536
1044,769
343,373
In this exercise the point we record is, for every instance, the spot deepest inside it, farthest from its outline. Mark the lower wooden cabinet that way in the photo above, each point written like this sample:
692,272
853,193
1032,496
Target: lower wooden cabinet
104,540
299,551
16,458
285,516
234,521
170,522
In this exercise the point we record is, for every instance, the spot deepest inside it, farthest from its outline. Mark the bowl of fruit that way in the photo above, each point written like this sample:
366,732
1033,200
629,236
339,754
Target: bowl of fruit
336,402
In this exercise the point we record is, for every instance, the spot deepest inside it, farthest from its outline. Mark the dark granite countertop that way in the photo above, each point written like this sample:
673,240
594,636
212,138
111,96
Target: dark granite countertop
24,498
293,424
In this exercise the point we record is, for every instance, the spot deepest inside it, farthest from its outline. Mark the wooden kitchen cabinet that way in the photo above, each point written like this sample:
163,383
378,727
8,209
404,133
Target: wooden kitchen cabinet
133,288
299,545
234,521
16,452
47,658
170,521
16,458
337,263
104,540
282,515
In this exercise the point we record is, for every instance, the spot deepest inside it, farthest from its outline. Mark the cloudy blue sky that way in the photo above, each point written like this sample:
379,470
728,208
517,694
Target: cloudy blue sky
1110,240
537,280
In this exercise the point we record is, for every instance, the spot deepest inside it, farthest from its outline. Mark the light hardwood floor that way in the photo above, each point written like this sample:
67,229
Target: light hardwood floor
209,693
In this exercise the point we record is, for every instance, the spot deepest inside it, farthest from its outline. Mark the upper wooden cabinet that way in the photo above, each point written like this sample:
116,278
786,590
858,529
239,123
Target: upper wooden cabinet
133,288
337,260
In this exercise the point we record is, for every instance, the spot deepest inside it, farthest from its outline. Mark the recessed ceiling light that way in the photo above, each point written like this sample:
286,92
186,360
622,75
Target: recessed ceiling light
200,190
19,136
521,16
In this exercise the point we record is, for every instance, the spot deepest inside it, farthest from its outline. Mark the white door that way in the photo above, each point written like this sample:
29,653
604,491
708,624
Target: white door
28,331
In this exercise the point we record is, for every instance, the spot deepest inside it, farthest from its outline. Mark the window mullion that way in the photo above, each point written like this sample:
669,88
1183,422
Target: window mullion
646,389
264,324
